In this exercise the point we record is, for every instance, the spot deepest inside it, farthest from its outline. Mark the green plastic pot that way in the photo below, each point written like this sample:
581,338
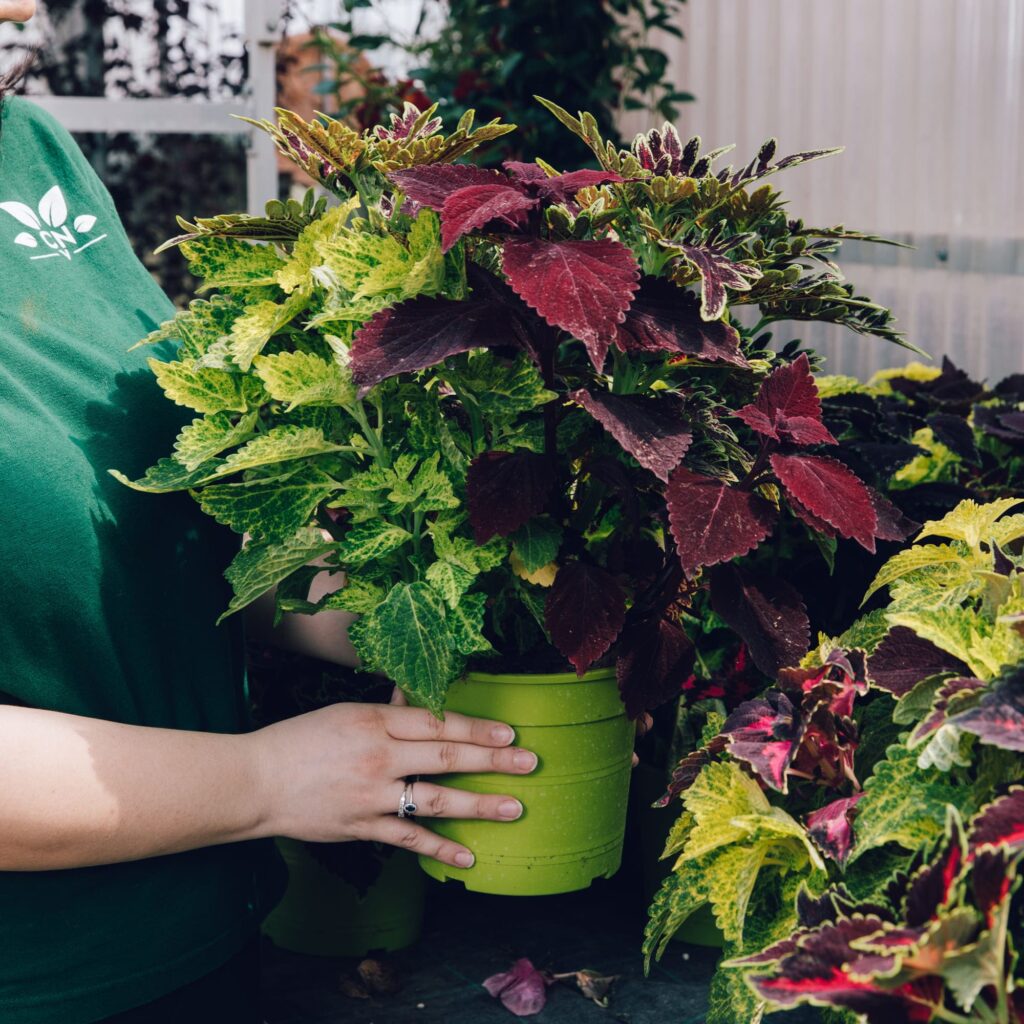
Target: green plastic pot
574,803
323,915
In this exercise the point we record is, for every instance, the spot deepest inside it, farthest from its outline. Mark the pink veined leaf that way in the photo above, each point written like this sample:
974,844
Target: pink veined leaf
584,612
652,430
831,492
472,207
787,407
713,522
1000,824
583,287
666,318
505,489
431,184
831,828
766,612
562,187
655,657
766,733
903,659
522,989
717,273
998,718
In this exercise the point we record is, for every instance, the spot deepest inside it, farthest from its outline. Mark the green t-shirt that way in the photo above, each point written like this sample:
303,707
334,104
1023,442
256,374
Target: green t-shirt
108,597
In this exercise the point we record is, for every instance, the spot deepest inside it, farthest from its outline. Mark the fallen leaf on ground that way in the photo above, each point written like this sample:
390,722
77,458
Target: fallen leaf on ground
522,989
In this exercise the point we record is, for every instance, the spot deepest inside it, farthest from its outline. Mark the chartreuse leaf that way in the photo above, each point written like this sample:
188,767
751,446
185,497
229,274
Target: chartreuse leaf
259,566
370,540
904,804
259,323
681,894
280,444
919,562
536,542
970,522
198,327
466,620
429,490
231,262
451,581
300,378
359,595
297,273
168,475
208,436
270,507
408,639
721,793
203,389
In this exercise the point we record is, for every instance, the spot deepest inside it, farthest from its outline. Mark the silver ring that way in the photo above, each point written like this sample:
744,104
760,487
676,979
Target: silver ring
406,807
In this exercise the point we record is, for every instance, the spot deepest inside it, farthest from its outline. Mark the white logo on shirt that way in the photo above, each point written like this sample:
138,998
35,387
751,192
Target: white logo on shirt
49,226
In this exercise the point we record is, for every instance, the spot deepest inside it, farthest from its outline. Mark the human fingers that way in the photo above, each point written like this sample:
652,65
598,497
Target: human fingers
434,801
398,698
403,833
419,724
441,758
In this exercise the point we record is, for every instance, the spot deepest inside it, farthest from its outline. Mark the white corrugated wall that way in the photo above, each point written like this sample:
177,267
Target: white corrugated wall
926,96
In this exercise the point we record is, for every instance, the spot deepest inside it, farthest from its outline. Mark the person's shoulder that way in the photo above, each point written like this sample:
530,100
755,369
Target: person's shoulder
24,113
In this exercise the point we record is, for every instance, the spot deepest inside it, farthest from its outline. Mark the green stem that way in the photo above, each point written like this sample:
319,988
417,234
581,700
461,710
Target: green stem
941,1013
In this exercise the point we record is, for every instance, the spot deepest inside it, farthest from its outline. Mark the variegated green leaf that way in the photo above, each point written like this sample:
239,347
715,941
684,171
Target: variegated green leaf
300,378
279,444
208,436
375,538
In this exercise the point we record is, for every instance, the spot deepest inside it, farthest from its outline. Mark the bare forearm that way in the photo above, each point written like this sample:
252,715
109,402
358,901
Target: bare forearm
79,791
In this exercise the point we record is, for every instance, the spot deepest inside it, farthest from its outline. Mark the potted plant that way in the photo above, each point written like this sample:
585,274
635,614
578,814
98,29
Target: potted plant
518,410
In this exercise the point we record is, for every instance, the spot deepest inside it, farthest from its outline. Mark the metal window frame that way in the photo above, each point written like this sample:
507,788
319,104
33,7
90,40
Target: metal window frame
162,116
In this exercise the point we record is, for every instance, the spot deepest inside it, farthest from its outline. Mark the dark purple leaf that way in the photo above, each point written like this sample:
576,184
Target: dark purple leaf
717,273
831,828
522,990
584,288
766,612
431,184
1000,824
951,388
655,657
955,433
892,523
998,718
949,699
652,430
584,613
903,659
684,775
425,331
765,733
991,879
666,318
932,886
1001,421
831,492
713,522
505,489
471,208
787,407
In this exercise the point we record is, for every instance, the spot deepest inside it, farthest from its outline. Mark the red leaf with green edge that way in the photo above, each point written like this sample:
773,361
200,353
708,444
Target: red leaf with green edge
932,885
655,657
765,734
431,184
652,430
666,318
584,288
991,880
787,407
562,187
831,492
831,828
903,659
522,989
584,613
713,522
1000,824
471,208
949,698
425,331
505,489
684,775
766,612
717,273
998,718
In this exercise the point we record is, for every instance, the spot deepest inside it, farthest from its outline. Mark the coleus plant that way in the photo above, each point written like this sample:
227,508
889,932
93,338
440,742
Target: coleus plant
515,408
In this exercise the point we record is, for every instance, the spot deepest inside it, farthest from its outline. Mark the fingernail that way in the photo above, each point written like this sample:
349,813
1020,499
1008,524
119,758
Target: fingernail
524,760
510,809
464,859
503,734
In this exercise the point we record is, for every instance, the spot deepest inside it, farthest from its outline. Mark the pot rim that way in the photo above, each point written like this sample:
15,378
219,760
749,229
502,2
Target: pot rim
597,675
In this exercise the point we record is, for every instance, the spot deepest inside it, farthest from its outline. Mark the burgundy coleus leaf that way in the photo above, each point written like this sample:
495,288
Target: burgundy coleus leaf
471,208
892,523
831,492
522,989
666,318
425,331
991,880
584,613
652,430
828,744
903,659
713,522
505,489
949,699
562,187
584,288
955,433
765,734
431,184
524,171
998,718
684,775
655,657
766,612
717,273
787,407
999,825
831,828
933,885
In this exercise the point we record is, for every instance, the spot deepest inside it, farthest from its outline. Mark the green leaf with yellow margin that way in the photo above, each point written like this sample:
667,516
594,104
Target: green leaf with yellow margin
203,389
208,436
168,475
231,262
969,521
300,378
279,444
